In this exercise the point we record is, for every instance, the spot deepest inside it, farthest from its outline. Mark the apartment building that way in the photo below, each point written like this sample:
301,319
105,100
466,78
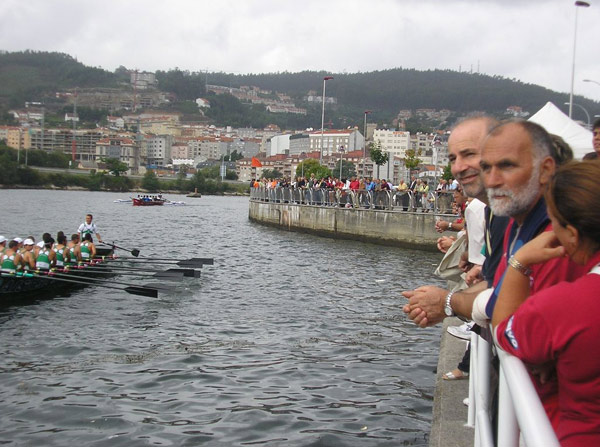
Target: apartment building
157,149
15,137
62,140
122,148
393,141
333,140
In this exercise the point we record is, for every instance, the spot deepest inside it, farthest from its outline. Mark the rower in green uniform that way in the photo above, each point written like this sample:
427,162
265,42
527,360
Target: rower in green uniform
27,254
88,228
3,242
46,257
87,249
11,260
61,250
74,254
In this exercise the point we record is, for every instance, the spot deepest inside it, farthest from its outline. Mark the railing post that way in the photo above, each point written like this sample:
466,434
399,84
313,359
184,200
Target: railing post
509,435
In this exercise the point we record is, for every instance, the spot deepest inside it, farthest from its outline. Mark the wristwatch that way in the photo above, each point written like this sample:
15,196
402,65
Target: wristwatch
448,308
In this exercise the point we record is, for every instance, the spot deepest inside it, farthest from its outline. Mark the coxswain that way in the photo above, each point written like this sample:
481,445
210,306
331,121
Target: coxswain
88,228
46,257
87,249
61,250
28,255
10,260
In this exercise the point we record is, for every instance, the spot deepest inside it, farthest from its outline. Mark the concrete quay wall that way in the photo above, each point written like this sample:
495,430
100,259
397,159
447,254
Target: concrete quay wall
403,229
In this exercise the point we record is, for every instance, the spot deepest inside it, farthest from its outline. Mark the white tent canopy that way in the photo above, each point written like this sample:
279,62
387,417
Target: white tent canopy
556,122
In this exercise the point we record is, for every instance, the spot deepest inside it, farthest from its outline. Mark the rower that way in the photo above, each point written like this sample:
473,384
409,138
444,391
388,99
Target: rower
3,242
87,249
88,228
27,255
46,257
74,254
10,261
61,250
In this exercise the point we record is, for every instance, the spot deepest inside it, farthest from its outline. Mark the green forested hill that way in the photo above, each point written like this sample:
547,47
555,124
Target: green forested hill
32,76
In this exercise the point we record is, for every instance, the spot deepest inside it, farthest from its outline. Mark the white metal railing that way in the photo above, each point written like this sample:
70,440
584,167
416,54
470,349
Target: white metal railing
520,411
439,202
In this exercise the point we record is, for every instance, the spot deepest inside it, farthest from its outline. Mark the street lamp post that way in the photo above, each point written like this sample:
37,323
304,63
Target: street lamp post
365,142
591,80
584,110
341,160
583,4
325,79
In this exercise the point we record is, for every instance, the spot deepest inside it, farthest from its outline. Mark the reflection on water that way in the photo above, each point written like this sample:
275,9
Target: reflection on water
288,340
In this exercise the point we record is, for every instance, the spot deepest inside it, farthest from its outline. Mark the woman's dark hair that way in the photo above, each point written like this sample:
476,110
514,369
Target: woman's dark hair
573,198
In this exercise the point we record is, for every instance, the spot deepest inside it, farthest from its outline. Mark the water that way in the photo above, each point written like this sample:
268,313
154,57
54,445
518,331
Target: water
288,340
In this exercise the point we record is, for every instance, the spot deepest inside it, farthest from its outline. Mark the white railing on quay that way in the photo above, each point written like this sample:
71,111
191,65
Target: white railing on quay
520,411
439,202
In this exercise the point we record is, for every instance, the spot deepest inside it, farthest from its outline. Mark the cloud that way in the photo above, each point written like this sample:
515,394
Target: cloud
531,41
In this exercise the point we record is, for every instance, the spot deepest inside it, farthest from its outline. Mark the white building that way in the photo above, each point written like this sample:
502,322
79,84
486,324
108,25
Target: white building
395,142
333,140
279,144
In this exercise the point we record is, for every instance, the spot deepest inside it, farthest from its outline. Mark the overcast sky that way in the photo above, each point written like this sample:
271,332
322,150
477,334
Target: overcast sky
531,40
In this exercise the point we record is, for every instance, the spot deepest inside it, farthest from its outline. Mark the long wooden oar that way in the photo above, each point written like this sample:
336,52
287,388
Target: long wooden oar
206,261
183,263
135,252
168,275
134,290
90,280
188,273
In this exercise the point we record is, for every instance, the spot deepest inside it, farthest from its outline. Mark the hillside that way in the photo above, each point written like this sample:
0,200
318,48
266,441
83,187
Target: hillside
35,76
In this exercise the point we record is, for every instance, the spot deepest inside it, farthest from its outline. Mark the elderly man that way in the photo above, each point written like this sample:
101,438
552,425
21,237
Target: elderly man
516,165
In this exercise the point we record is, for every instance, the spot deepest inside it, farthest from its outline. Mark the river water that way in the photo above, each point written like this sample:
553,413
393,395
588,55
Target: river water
288,339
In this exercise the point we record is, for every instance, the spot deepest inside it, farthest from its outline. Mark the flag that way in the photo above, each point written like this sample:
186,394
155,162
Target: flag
256,163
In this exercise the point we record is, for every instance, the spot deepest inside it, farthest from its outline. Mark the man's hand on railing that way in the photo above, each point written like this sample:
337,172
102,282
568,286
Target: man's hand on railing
425,305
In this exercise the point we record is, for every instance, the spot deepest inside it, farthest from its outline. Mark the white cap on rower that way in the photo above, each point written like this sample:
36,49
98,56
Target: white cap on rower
40,244
28,242
18,239
2,239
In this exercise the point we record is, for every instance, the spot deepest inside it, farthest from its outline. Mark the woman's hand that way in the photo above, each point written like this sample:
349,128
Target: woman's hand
544,247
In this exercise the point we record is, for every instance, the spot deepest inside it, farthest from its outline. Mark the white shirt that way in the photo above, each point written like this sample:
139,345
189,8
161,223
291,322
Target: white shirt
87,228
475,217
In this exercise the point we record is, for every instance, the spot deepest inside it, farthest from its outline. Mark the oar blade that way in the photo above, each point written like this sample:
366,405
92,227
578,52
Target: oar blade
188,273
190,264
169,275
135,252
159,287
206,261
143,291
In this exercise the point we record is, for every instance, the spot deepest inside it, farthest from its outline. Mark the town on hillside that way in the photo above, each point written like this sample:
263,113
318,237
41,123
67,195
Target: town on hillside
142,136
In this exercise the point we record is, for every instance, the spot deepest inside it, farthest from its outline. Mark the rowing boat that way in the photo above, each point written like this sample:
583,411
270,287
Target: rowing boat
149,202
20,287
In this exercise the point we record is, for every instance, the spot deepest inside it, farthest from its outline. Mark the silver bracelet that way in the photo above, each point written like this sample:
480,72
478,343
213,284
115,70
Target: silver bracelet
518,266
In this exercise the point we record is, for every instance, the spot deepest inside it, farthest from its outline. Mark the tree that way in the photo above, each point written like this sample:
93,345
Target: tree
447,175
411,159
312,166
150,181
348,169
377,155
115,166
